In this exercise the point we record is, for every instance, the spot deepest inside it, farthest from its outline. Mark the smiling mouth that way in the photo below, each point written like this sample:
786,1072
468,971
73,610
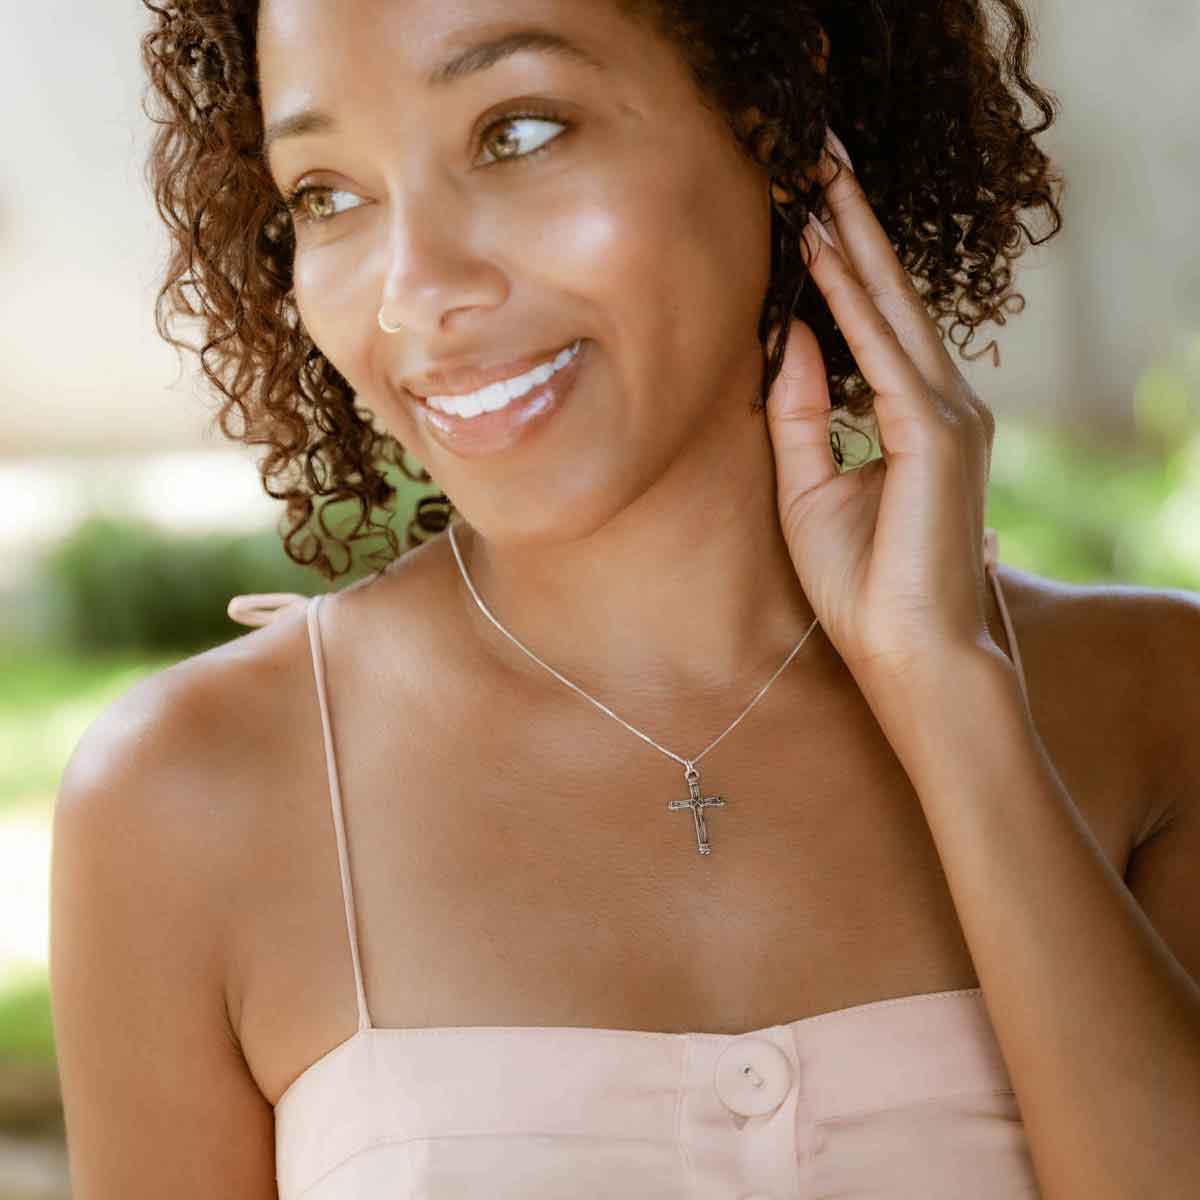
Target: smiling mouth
500,395
516,419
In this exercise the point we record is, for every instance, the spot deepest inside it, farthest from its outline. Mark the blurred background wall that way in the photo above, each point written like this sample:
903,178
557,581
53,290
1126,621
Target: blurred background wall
1096,471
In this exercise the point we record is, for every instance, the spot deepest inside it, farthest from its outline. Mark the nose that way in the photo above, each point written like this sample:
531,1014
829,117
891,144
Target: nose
435,266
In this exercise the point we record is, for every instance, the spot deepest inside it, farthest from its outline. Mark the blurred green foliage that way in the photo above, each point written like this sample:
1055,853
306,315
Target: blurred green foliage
26,1031
117,584
1084,515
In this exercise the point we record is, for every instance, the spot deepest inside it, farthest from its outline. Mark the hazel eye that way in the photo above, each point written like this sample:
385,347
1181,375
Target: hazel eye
512,120
297,204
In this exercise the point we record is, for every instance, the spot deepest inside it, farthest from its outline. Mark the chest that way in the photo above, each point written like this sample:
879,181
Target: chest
527,871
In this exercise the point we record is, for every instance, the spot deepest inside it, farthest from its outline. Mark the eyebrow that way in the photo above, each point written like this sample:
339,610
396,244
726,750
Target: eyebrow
474,59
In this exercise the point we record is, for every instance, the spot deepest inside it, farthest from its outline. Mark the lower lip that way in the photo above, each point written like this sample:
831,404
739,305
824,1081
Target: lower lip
495,432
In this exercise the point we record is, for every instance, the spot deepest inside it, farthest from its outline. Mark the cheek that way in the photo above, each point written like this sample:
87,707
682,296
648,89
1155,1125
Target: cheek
648,251
330,297
677,262
729,228
603,241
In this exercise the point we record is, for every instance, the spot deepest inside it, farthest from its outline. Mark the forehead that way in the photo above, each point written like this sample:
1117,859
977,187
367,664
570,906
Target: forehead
307,42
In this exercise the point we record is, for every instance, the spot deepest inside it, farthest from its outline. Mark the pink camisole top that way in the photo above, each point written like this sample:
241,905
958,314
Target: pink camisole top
901,1099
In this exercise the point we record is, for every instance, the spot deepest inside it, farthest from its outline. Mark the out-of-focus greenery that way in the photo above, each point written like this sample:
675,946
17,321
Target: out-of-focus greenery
121,601
123,584
1075,514
26,1031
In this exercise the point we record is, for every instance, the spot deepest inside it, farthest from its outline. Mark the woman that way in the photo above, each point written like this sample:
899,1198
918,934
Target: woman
366,903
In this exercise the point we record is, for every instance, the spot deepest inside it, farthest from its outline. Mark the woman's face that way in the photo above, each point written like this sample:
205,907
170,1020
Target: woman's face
615,209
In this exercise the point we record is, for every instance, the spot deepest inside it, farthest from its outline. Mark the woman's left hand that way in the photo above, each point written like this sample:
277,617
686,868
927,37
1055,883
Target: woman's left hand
890,555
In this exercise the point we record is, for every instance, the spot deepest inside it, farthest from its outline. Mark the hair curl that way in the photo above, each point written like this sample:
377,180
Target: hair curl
926,105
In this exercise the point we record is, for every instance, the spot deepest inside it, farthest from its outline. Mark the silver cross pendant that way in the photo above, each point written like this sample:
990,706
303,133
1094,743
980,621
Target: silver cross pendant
697,804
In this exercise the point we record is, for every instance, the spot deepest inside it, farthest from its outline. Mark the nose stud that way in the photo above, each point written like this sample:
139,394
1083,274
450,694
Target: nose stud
385,326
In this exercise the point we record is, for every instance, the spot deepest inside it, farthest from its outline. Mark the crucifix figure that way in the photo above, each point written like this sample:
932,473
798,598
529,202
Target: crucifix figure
697,804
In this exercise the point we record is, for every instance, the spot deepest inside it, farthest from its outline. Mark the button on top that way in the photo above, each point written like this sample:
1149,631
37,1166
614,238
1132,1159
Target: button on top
752,1077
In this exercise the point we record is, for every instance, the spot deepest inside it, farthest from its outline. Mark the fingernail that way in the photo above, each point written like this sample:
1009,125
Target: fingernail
835,143
824,233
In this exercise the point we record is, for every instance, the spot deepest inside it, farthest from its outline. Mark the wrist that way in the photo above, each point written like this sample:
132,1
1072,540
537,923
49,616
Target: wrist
962,692
937,674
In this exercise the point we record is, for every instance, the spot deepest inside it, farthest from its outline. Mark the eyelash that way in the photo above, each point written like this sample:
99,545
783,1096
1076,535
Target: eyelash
294,200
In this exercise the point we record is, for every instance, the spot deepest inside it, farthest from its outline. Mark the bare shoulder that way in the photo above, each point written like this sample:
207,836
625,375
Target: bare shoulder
155,830
178,769
211,759
198,723
1111,669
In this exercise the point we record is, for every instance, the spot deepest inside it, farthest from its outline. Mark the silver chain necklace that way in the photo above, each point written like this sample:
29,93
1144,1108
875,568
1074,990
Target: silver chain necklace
696,802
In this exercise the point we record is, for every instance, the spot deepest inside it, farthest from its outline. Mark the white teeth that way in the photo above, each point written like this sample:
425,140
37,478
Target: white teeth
498,395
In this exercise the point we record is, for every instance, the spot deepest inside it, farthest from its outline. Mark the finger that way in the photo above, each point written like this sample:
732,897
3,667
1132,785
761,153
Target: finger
798,412
903,396
865,243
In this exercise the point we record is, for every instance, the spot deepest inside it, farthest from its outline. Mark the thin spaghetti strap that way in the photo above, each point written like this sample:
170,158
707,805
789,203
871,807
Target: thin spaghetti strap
335,799
991,555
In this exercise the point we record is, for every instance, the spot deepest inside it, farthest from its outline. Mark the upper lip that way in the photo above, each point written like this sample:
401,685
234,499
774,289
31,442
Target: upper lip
458,378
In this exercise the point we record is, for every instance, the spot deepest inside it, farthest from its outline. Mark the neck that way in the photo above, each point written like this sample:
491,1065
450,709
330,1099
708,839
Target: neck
690,588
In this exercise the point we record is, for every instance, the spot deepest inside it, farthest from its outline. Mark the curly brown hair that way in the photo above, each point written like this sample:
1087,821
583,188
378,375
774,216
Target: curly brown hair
926,106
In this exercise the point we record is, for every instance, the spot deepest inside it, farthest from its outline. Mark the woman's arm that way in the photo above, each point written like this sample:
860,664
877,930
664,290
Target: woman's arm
157,1096
1095,1009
